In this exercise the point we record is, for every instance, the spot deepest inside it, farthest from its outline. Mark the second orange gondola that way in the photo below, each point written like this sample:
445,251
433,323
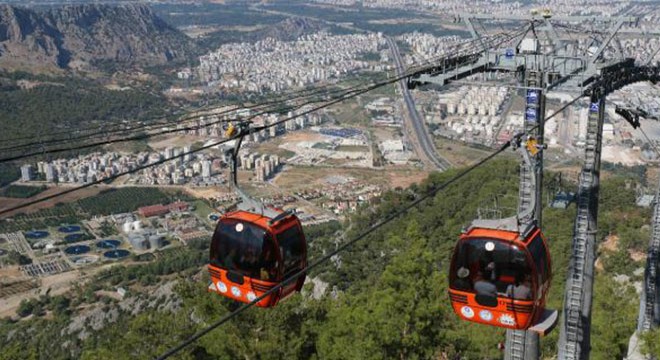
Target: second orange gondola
500,277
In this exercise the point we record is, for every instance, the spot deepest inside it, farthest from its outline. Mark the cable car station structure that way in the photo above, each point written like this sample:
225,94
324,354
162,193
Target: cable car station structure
543,60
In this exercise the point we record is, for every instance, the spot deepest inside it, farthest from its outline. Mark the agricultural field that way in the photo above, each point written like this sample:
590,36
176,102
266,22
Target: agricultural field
458,153
17,287
21,191
351,113
113,201
305,177
108,201
54,216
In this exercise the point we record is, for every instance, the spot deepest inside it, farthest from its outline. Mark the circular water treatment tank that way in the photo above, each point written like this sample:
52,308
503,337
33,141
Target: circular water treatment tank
36,234
68,229
116,254
73,238
77,250
108,244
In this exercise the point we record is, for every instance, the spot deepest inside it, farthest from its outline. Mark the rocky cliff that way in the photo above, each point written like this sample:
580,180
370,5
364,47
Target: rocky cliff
83,36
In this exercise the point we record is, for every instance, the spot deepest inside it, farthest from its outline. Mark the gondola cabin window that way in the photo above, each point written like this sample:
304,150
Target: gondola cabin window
492,268
244,248
292,247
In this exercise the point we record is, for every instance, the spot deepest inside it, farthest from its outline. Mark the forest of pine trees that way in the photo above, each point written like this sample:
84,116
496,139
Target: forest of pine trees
386,296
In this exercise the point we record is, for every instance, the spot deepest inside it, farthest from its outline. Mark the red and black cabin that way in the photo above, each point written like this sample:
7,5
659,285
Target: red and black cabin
252,253
501,277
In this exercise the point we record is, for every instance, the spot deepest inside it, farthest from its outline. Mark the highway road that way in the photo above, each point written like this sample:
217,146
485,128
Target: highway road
420,135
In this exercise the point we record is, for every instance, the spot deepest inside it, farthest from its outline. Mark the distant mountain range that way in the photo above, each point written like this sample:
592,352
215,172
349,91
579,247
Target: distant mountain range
87,36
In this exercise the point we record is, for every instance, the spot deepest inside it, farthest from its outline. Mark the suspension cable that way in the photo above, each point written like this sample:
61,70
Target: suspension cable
132,171
651,143
148,126
150,135
432,192
264,127
411,72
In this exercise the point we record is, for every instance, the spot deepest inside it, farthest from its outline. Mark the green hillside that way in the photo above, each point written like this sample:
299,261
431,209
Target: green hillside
389,299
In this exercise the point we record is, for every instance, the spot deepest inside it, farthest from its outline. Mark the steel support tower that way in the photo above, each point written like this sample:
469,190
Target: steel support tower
562,68
649,309
649,302
522,344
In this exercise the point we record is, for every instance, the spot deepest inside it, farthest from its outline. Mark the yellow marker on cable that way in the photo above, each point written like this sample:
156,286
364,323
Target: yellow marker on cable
532,146
231,130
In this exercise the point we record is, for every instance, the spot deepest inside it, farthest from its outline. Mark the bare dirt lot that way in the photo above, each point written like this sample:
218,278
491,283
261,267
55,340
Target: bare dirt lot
406,177
306,177
176,141
54,284
621,154
459,154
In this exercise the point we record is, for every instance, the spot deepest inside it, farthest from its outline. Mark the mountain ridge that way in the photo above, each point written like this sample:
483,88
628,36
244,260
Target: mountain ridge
83,36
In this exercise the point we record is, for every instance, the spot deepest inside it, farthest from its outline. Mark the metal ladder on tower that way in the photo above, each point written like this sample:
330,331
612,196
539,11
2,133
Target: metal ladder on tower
574,298
525,191
578,287
521,344
650,312
515,344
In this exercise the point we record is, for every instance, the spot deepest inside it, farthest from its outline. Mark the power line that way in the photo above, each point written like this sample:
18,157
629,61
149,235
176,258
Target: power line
310,92
152,125
341,248
188,128
148,135
128,172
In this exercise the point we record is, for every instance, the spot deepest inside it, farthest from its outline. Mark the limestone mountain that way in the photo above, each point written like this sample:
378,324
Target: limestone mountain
85,36
292,28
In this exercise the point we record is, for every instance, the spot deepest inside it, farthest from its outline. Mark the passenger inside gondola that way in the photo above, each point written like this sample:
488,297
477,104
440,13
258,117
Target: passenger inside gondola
244,248
482,286
521,290
491,268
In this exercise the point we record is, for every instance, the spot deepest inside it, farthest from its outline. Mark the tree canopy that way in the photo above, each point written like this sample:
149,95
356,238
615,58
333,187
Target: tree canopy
386,295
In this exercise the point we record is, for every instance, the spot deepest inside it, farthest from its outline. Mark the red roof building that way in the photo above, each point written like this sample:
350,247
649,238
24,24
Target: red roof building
178,206
153,210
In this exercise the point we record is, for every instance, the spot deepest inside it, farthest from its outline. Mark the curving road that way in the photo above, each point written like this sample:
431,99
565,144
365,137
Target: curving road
420,136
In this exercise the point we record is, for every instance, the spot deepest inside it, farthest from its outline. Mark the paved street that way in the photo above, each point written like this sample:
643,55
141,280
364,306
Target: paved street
420,136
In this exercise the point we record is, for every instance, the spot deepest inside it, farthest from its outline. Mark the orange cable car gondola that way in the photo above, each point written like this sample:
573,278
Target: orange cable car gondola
255,247
500,272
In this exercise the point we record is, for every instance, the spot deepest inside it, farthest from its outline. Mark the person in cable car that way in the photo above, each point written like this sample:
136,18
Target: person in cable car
521,290
500,278
482,286
249,256
500,271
